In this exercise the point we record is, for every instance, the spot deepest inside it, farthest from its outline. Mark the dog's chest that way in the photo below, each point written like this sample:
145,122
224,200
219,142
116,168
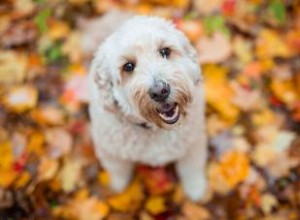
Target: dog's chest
132,142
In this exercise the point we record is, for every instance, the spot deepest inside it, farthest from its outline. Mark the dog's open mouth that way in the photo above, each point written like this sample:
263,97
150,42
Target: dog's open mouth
169,113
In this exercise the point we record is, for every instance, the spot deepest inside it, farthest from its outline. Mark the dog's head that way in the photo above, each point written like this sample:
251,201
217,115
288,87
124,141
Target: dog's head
149,68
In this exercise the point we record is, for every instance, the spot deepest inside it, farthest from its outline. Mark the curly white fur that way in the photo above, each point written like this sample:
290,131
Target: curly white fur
120,103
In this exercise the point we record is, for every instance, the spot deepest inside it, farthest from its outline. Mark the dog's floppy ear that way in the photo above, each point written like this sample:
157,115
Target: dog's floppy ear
101,77
192,54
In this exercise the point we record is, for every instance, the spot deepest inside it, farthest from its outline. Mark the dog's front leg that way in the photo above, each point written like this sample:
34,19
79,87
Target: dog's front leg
120,172
191,171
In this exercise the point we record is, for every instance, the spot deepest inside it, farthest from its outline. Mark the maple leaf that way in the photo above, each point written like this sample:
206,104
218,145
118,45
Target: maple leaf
130,200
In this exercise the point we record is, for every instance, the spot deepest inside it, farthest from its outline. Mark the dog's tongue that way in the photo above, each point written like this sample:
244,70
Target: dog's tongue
169,112
166,107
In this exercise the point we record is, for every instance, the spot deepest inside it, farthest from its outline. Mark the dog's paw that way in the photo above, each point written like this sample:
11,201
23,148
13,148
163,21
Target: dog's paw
195,188
119,183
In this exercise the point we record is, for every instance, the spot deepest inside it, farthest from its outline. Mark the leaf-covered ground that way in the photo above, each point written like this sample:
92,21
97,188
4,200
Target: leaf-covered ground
250,55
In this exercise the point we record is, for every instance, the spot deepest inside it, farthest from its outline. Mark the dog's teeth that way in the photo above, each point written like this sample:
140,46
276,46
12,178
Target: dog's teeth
165,117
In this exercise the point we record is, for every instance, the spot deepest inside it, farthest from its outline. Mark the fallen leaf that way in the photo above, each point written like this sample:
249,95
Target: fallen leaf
206,8
103,178
285,91
268,202
155,205
156,180
242,49
23,179
130,200
60,142
82,207
58,29
232,169
193,211
21,98
47,169
70,173
214,50
12,67
36,143
254,98
48,115
215,84
270,44
24,7
192,28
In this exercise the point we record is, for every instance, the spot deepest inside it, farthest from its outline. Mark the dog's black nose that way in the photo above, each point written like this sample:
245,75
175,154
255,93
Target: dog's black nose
159,91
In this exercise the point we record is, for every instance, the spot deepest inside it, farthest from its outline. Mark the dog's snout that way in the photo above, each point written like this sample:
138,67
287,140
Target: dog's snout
159,91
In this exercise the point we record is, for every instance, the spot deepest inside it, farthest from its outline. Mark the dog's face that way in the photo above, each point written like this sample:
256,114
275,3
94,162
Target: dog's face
151,68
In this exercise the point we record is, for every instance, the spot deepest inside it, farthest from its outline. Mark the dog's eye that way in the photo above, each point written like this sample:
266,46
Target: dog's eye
128,67
165,52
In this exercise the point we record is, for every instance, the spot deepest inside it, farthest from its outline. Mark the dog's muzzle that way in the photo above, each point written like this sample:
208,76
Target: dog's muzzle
167,111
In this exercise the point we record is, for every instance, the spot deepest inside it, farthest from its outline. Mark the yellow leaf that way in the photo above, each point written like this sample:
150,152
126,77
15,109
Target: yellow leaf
70,174
83,208
263,117
269,44
178,195
12,67
263,154
285,91
218,92
103,178
47,169
48,115
58,29
6,159
130,200
7,173
232,169
35,143
268,202
72,47
23,179
155,205
21,98
7,177
242,48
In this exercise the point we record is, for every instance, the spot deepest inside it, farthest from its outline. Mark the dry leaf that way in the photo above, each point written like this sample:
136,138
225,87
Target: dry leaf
232,169
215,84
70,173
155,205
48,115
193,211
214,50
242,49
82,207
21,98
60,142
270,44
47,169
268,202
192,28
130,200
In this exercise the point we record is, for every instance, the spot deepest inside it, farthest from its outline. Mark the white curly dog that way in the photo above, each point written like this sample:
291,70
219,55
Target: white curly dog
147,103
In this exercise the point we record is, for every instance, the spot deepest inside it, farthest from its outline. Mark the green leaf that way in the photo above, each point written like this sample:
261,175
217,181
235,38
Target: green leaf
278,11
215,24
41,20
54,53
